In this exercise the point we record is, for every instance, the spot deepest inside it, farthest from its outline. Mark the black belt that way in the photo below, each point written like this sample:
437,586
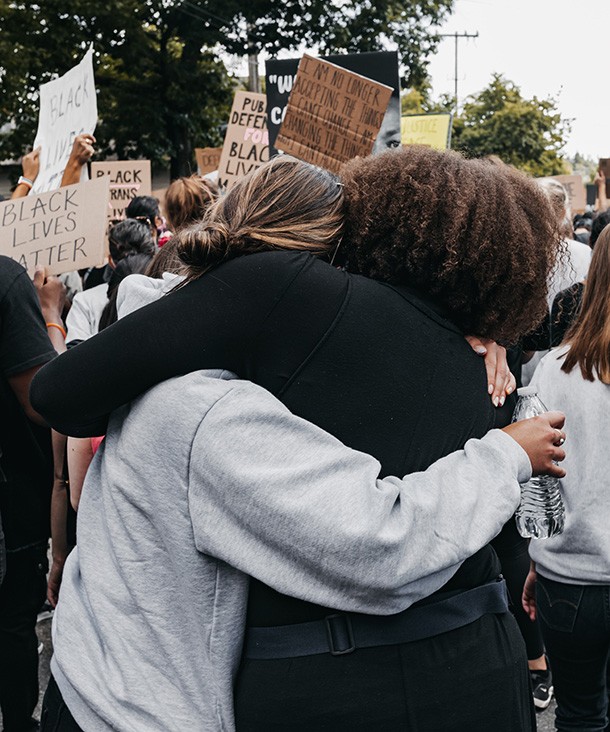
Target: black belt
343,633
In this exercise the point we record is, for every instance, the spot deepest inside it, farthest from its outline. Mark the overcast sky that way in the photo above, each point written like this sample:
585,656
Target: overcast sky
557,48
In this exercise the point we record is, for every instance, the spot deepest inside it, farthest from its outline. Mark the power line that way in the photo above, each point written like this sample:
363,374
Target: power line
456,36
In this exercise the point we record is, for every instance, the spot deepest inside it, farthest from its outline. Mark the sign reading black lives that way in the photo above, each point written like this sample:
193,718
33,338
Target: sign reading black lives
380,66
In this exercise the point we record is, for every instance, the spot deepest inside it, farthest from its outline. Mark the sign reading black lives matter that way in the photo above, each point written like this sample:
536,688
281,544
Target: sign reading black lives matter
333,115
128,179
62,230
381,66
246,145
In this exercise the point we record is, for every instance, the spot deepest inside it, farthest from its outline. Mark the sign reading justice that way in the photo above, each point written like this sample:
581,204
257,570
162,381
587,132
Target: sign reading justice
62,230
333,115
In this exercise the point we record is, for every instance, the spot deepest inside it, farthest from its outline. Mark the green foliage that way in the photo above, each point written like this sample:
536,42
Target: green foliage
585,166
162,87
526,133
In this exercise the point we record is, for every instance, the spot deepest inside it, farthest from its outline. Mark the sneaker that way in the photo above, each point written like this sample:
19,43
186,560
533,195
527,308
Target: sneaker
542,685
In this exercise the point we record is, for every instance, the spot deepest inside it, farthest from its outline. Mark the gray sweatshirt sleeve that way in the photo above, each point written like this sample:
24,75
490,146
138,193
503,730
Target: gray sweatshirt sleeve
287,503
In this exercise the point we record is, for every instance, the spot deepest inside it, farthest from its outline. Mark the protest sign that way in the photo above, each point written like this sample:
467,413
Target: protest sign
208,159
333,115
576,191
604,166
432,130
381,66
62,230
68,107
246,145
128,179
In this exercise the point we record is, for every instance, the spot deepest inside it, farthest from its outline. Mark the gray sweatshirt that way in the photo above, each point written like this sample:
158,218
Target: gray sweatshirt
203,481
581,554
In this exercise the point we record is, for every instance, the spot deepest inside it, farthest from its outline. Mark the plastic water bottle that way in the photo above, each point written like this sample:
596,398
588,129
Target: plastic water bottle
541,513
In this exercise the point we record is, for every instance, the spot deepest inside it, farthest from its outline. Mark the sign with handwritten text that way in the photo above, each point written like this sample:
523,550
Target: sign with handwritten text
68,107
432,130
333,115
62,230
246,145
208,159
577,193
128,179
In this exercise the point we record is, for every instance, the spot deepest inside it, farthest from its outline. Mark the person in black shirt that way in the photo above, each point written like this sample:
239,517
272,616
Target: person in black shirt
383,365
26,475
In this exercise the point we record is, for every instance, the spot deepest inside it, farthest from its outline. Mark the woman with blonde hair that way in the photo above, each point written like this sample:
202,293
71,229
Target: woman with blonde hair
381,362
568,588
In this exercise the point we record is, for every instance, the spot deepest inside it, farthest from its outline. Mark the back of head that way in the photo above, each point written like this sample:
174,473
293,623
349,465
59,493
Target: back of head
131,264
285,204
478,236
560,201
187,199
589,336
143,207
598,224
130,237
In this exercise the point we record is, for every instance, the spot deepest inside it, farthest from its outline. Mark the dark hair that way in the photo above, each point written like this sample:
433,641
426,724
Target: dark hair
187,199
145,206
131,264
130,237
285,204
480,237
589,335
599,224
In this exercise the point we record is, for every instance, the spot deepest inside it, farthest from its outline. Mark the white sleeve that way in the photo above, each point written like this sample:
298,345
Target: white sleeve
78,320
287,503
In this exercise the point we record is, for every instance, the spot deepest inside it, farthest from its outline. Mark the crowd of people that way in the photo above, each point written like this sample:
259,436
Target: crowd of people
282,473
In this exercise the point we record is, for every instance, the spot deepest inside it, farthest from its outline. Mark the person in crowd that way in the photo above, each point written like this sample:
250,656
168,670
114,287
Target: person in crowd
27,340
81,153
381,363
30,165
601,199
568,588
187,199
126,237
146,210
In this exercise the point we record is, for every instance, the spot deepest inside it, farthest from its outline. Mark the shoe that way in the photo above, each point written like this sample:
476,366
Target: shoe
542,685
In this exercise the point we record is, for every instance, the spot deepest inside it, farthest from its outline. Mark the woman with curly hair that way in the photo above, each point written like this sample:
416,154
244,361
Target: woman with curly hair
381,362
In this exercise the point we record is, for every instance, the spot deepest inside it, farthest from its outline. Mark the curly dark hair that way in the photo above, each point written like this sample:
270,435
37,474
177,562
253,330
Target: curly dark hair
478,235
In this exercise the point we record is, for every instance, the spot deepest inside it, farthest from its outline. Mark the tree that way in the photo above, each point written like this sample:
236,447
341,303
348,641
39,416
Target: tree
526,133
163,87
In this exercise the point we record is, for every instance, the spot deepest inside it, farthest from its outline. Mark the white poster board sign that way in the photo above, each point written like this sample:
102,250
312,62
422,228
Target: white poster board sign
68,107
62,230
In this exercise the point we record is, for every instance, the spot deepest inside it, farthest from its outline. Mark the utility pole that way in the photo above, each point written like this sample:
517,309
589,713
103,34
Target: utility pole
254,82
456,36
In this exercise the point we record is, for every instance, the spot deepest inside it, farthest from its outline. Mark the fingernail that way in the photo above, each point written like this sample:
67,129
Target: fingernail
496,401
501,401
490,389
509,389
481,350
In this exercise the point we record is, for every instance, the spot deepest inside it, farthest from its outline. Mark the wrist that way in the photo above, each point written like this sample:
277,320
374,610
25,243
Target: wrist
51,315
26,181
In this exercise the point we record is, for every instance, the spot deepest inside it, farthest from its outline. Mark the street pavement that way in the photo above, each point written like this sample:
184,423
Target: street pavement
544,719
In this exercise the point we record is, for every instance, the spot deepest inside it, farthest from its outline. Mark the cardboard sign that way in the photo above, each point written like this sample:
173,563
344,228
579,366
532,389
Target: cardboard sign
246,145
333,115
128,179
432,130
68,107
62,230
381,66
577,195
208,159
604,166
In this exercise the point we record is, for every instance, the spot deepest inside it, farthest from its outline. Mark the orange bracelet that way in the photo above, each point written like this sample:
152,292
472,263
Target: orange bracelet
59,328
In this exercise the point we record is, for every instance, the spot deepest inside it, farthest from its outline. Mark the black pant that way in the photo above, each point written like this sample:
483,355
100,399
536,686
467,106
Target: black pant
56,716
21,596
575,622
472,679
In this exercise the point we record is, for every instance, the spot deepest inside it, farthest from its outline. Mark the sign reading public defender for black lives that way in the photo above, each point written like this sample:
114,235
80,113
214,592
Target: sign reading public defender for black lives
246,145
62,230
333,115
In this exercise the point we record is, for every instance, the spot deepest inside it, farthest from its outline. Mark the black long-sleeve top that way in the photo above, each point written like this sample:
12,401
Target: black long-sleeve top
375,365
